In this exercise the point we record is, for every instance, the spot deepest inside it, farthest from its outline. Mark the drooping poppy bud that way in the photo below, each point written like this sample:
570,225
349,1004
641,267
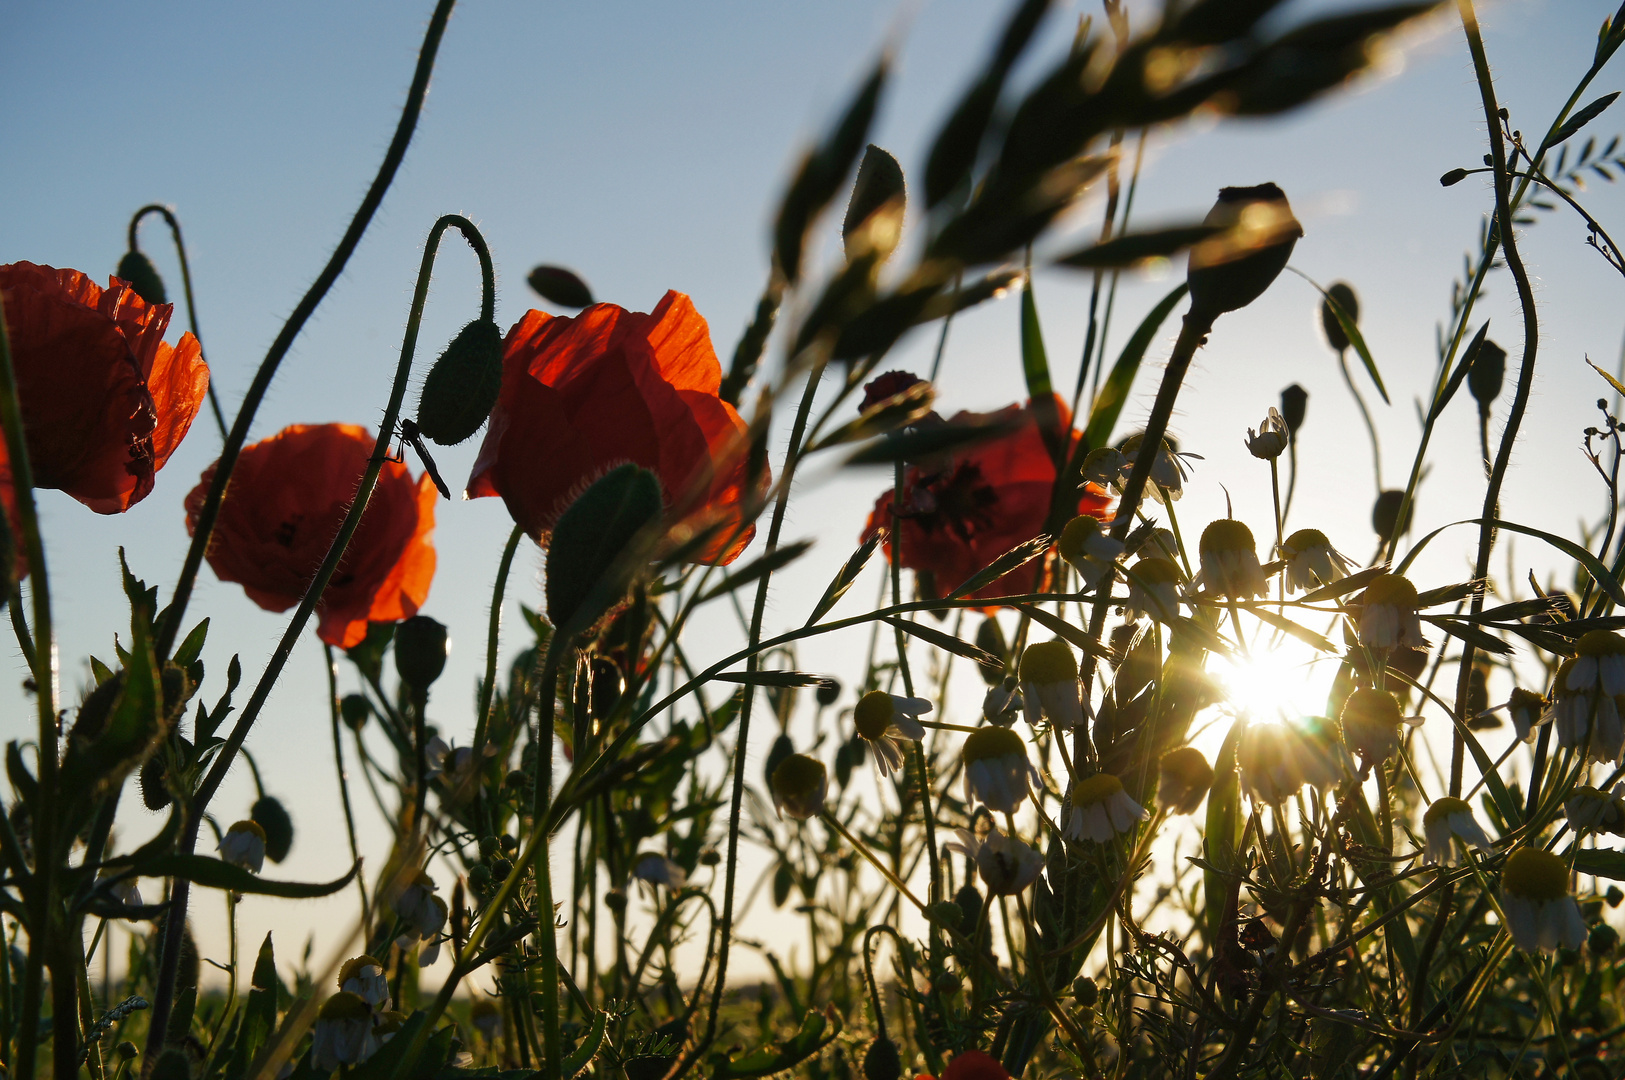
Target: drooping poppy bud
1485,376
1231,270
990,639
354,710
421,645
272,817
463,384
559,286
1342,293
143,277
1294,403
1385,513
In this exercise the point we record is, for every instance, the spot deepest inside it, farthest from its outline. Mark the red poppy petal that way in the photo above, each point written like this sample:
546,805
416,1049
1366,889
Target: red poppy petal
179,381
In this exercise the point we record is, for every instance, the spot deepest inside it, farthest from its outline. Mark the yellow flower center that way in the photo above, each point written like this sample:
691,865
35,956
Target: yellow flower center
353,968
1443,807
1076,536
1391,589
1302,540
1097,789
1367,708
1047,663
250,827
345,1006
1526,699
873,714
798,775
1226,535
992,742
1600,643
1156,571
1533,874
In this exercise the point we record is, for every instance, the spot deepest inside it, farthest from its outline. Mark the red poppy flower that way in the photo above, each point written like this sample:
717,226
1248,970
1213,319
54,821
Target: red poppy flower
971,1065
581,395
105,401
961,514
286,501
8,506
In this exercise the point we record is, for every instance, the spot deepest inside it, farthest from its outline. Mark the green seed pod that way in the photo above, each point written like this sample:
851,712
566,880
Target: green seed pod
489,846
1385,514
1294,403
463,384
143,277
421,645
882,1061
270,815
559,286
1485,376
353,710
1232,269
1343,293
480,879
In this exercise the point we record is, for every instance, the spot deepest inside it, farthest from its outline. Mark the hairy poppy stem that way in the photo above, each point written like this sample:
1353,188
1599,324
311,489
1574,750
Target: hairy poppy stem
164,992
344,780
313,297
186,286
493,636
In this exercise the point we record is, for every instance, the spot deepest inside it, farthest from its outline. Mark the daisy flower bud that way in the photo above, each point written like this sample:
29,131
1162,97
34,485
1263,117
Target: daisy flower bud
1447,818
1311,561
1599,811
1183,780
656,869
1153,590
996,769
1091,552
1101,809
343,1032
800,784
244,846
885,721
364,977
1231,270
1002,702
1388,614
1528,711
1269,441
1371,724
1541,912
487,1018
1050,687
1587,711
1005,864
1230,564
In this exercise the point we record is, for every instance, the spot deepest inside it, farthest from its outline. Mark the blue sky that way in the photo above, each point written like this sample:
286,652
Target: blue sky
644,145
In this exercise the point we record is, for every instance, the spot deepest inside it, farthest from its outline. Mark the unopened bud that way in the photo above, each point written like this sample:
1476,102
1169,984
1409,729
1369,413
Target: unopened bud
1453,177
606,686
1294,403
421,645
990,639
126,1050
1231,270
1385,514
463,385
615,900
828,692
559,286
1085,992
782,748
1485,376
143,277
1342,293
353,709
882,1061
270,815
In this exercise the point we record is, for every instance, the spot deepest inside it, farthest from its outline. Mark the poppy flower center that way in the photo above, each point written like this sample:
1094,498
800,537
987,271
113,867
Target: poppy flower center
958,501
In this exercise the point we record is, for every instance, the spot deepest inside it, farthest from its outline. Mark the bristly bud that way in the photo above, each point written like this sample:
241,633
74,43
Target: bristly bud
1453,177
882,1061
463,385
143,277
1385,514
270,815
874,216
421,645
353,710
559,286
1233,269
1294,403
829,690
1343,293
1485,376
126,1050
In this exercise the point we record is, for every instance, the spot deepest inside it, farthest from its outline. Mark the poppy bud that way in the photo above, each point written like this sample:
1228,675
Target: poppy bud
591,537
990,639
1385,514
420,651
828,691
1294,402
1085,992
1453,177
1231,270
1343,293
143,277
606,686
882,1061
615,900
559,286
1485,376
270,815
781,749
353,709
970,908
463,384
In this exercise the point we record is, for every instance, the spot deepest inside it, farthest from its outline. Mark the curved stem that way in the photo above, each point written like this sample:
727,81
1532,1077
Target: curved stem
296,322
1365,414
186,285
344,780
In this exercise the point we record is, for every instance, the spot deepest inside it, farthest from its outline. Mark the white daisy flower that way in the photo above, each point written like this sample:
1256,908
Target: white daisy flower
800,784
124,890
1449,818
424,914
364,977
1153,590
1598,811
1584,713
886,721
1050,686
244,846
1541,912
1311,561
1166,481
1101,809
1183,780
1105,466
1230,564
1002,702
1270,440
343,1033
997,771
1089,550
1388,614
1005,864
656,869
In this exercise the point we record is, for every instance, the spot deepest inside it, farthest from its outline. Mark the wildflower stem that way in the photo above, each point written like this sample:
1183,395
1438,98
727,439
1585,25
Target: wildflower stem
284,341
1365,414
186,285
546,929
1526,368
344,780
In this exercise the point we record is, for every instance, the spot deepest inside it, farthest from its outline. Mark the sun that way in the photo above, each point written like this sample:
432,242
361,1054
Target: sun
1276,684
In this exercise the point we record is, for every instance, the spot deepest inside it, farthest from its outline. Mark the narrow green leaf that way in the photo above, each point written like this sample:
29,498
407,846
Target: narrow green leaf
191,648
1034,358
768,563
927,442
1444,594
1352,332
1600,862
1223,831
846,576
1593,566
1131,248
769,678
1108,404
1074,635
1581,119
1302,633
1343,586
1470,634
1619,388
946,641
1016,557
589,1046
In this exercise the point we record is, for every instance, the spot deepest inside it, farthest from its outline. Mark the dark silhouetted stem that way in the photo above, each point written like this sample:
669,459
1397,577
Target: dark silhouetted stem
186,286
